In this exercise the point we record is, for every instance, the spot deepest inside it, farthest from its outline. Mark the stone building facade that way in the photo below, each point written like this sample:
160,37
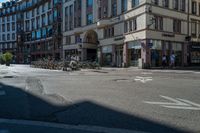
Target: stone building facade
132,32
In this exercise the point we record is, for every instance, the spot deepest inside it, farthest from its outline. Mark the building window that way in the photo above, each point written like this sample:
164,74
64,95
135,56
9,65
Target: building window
130,25
183,5
43,8
8,26
13,17
66,18
109,32
68,40
13,36
177,26
124,5
199,28
43,20
194,7
158,23
135,3
156,2
13,26
38,10
38,22
8,18
8,36
89,3
166,3
3,37
49,5
194,29
89,18
114,8
77,38
33,13
3,27
199,9
175,4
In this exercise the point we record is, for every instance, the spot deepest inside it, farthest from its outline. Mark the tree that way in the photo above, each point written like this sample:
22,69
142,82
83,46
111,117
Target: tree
7,57
1,59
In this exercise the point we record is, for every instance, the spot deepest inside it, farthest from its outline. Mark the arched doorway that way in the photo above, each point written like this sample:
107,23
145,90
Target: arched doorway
90,45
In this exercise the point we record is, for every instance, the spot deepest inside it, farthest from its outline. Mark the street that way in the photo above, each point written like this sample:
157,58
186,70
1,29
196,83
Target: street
146,101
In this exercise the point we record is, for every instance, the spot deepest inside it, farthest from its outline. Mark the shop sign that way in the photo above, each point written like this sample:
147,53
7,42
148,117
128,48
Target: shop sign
107,49
196,47
168,35
134,45
119,38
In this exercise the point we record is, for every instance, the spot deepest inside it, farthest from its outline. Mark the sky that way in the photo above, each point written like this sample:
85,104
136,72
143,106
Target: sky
2,0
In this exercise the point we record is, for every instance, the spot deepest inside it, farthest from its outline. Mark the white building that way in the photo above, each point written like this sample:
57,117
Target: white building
132,32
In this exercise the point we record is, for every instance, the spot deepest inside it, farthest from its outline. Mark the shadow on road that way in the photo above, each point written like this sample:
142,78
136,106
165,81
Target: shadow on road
18,104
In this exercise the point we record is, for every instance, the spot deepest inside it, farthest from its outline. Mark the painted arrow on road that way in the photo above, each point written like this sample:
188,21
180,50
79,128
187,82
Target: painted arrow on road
143,79
176,103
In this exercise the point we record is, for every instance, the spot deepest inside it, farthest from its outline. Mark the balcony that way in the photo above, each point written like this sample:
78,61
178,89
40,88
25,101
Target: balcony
107,21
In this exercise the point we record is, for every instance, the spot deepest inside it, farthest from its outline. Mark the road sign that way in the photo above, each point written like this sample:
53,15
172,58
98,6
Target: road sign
176,103
143,79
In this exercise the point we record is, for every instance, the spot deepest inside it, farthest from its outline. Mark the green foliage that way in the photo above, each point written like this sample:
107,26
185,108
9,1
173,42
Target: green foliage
1,59
7,57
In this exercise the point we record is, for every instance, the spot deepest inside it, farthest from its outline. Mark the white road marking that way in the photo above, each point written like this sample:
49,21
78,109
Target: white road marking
2,93
88,128
179,107
143,79
176,103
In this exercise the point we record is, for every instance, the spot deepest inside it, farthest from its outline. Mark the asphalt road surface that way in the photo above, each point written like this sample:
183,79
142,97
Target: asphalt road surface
148,101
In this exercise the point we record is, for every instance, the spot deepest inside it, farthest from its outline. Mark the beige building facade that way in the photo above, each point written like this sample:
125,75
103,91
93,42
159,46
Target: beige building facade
124,33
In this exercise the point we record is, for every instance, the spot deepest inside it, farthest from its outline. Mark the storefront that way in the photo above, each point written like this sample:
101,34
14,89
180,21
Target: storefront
156,53
177,49
195,54
134,53
160,48
119,55
107,55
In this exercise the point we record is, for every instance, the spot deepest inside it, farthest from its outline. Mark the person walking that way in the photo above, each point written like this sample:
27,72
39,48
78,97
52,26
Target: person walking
172,60
164,61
